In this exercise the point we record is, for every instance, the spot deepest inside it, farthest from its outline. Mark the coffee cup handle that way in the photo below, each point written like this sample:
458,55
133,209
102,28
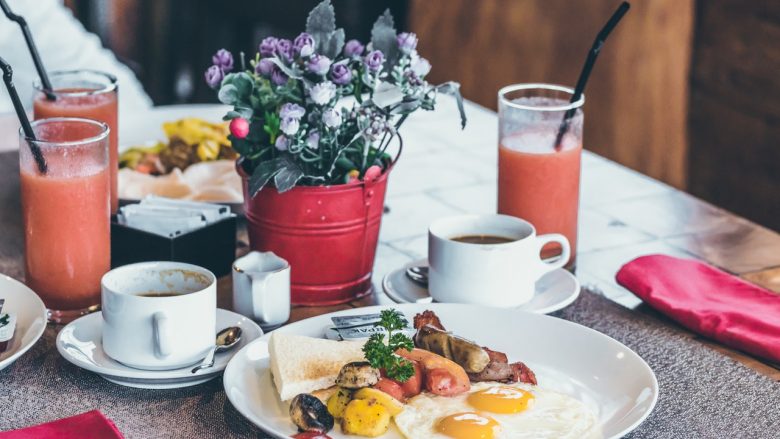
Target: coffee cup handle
161,332
563,259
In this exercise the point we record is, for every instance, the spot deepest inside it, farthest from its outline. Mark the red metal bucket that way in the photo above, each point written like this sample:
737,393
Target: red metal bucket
328,234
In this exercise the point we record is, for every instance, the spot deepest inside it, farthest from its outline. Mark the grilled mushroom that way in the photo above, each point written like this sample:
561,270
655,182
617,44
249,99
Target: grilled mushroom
357,375
309,413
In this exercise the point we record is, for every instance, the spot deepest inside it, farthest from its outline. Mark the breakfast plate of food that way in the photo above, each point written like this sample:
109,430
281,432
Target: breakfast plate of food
179,152
438,371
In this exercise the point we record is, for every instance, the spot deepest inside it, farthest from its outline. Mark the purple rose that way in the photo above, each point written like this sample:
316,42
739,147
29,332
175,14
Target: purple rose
265,67
278,77
223,59
281,143
407,42
353,48
313,140
374,61
214,76
331,118
319,64
284,50
267,46
304,45
290,110
340,74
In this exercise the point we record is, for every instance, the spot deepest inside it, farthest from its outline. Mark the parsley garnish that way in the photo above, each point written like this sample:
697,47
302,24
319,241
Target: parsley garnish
383,356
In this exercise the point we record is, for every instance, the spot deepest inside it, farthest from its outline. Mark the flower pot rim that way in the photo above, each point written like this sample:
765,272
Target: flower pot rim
325,188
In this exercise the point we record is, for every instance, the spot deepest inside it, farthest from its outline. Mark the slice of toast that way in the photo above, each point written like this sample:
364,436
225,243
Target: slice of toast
301,364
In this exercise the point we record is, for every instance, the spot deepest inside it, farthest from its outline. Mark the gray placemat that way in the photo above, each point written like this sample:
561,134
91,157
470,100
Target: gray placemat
703,393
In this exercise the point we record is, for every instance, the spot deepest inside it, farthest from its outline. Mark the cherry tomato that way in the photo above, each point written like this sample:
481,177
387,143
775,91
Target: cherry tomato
391,387
413,386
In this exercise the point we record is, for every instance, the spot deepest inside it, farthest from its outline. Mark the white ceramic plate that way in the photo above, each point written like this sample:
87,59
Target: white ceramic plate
569,358
80,342
554,291
30,318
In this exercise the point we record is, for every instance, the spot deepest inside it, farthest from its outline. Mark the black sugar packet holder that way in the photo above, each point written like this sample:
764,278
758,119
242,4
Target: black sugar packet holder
212,246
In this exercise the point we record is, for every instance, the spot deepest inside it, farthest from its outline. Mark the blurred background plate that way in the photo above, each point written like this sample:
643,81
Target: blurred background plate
30,318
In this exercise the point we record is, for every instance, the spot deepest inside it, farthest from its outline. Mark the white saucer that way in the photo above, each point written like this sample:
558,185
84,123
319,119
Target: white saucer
80,342
554,291
30,318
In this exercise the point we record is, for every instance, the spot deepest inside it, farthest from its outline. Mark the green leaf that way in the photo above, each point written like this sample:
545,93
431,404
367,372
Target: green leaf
263,172
228,94
288,175
332,48
453,89
292,72
383,38
321,24
244,84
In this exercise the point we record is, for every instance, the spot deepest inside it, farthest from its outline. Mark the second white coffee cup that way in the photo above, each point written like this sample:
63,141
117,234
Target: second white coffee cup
158,315
489,260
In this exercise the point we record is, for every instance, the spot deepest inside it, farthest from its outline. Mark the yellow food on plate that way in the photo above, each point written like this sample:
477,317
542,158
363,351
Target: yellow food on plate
392,405
494,410
338,402
365,417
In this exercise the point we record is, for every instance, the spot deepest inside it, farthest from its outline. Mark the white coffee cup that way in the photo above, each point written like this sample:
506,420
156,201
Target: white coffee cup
502,274
145,327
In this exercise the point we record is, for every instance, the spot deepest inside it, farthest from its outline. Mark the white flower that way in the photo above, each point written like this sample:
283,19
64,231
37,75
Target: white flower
290,125
331,118
291,110
281,143
323,92
313,141
420,66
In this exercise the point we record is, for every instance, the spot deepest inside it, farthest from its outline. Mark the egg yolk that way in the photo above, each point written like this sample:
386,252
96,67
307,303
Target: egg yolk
501,399
467,425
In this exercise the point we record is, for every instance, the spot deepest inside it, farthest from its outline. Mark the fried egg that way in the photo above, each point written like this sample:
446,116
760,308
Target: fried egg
495,411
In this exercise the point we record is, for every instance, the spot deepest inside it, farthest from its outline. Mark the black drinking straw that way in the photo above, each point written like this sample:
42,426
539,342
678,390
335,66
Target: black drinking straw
26,127
585,74
47,88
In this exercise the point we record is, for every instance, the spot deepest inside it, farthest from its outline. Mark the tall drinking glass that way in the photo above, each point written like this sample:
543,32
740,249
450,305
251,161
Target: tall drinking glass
90,95
66,214
538,181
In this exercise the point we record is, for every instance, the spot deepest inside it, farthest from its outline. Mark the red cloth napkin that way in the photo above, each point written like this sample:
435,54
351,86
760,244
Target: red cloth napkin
708,301
91,425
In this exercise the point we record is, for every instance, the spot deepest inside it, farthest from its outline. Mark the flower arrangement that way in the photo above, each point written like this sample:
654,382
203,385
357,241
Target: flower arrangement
318,111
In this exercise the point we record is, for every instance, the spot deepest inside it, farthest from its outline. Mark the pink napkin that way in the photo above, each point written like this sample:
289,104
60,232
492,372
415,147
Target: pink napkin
91,425
708,301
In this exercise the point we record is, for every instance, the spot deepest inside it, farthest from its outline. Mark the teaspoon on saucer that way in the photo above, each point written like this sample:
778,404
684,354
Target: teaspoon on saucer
226,339
419,274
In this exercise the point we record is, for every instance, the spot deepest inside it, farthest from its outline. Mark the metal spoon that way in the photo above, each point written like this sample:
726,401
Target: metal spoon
226,339
419,274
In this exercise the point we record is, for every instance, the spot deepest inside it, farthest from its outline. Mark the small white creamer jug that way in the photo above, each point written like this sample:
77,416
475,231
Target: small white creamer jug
261,288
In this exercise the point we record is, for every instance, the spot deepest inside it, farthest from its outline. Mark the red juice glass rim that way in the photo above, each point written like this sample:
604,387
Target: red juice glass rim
545,90
99,131
87,82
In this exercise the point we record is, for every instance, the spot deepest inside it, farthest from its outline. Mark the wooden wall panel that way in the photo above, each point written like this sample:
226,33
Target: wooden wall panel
735,108
637,97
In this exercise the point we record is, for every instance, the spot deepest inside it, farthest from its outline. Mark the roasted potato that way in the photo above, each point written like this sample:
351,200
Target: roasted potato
338,402
392,405
365,418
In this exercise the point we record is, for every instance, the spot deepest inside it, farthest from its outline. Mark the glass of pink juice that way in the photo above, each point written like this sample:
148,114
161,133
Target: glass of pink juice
537,180
86,94
66,214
